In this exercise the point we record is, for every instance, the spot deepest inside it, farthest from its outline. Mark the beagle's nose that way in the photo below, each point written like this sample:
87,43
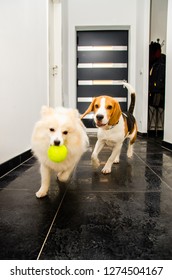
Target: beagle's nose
99,117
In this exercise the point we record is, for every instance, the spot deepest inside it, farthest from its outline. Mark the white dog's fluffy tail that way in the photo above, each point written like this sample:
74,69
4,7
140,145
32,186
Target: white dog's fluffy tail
133,96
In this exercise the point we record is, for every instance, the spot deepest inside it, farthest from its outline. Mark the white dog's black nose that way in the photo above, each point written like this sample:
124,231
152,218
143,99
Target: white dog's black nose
56,142
99,117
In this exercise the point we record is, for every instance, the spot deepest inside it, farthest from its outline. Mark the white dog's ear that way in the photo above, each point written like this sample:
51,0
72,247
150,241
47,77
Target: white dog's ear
74,113
45,111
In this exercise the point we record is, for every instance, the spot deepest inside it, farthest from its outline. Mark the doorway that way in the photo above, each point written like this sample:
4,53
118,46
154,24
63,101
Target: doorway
156,109
102,65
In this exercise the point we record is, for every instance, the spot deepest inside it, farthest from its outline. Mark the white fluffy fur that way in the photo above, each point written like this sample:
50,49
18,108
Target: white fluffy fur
60,120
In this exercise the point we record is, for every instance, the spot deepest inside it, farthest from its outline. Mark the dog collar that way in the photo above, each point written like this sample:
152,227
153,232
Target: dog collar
111,126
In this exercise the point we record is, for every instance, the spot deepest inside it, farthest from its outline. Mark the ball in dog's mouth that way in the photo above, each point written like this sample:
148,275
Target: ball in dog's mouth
57,153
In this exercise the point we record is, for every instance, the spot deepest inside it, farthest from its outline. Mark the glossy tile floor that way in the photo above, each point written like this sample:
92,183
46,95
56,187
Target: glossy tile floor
124,215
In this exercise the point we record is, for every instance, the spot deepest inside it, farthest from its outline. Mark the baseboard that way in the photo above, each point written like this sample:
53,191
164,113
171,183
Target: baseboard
167,145
141,134
14,162
92,130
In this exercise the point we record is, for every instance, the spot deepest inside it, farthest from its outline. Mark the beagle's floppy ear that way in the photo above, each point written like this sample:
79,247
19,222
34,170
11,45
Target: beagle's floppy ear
116,113
90,109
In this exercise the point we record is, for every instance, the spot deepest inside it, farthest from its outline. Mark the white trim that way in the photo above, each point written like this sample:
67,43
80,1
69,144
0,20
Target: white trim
100,82
102,27
89,116
84,99
55,53
89,99
102,65
92,130
102,48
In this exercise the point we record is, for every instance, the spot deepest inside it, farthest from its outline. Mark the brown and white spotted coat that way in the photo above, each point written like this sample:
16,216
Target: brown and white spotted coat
114,127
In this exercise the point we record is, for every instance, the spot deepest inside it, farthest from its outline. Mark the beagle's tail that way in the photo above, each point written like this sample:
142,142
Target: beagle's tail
133,97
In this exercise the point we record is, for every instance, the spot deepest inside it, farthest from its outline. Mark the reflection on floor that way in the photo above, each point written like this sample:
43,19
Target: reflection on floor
124,215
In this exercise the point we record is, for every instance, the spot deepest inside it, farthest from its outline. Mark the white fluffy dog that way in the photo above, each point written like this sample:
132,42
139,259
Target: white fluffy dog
60,126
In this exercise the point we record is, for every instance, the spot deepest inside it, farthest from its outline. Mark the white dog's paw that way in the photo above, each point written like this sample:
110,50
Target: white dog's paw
116,160
106,169
40,194
63,176
95,162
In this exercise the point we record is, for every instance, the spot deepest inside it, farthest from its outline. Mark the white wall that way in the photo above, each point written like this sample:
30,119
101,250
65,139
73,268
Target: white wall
168,94
65,57
23,72
158,21
142,54
91,14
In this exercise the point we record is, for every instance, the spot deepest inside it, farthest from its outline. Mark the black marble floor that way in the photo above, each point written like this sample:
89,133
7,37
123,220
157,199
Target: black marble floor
124,215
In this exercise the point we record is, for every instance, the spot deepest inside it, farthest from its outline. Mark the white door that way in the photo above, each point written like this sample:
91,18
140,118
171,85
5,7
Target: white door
55,54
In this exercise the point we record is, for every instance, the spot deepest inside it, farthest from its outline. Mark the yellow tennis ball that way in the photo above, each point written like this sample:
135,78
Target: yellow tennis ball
57,153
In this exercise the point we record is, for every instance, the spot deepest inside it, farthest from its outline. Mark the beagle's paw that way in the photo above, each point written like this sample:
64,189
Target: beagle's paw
130,151
106,169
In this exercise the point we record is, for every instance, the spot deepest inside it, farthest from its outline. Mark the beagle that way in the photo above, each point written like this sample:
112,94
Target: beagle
114,127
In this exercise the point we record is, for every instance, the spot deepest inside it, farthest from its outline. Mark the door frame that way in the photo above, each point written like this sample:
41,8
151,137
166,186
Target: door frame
101,28
55,52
